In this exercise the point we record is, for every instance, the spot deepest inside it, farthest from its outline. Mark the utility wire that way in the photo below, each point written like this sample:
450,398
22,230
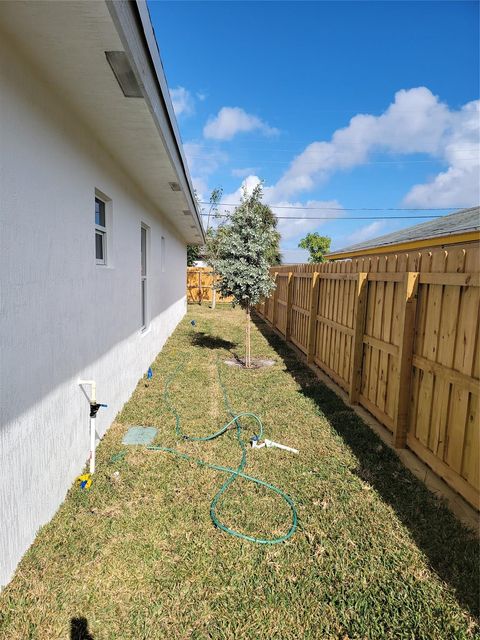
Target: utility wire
337,219
341,155
467,146
283,206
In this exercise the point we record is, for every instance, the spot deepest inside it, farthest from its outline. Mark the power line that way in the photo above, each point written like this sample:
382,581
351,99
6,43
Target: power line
261,162
302,145
336,219
281,206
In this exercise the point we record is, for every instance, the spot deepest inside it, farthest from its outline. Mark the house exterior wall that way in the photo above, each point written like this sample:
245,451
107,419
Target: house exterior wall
63,317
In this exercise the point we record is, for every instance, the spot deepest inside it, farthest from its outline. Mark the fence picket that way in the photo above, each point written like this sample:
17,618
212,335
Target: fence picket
358,332
407,323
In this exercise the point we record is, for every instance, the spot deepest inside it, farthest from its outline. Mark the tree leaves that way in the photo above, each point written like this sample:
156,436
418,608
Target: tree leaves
244,250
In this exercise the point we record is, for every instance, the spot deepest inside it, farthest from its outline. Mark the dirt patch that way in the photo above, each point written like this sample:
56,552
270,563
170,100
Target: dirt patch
255,363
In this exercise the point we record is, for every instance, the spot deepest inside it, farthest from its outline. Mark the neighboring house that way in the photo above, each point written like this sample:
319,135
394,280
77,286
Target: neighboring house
460,228
96,210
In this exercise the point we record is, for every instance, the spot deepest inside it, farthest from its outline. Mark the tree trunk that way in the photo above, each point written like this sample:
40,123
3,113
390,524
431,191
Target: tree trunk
248,363
214,290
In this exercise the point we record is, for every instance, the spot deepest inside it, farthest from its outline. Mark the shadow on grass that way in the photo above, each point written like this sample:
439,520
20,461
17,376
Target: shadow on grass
452,550
202,339
79,629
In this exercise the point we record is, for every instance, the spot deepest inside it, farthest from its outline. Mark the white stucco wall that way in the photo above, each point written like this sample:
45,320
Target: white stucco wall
62,316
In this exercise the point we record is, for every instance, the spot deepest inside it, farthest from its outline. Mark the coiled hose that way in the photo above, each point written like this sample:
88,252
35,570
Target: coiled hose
233,473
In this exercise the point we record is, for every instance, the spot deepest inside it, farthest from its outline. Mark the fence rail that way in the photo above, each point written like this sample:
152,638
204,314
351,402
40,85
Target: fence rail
400,335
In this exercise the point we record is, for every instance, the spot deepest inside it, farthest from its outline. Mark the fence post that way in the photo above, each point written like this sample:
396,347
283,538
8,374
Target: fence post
289,305
359,312
405,353
312,320
274,301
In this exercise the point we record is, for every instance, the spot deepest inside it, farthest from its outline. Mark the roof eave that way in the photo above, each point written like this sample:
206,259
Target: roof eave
134,27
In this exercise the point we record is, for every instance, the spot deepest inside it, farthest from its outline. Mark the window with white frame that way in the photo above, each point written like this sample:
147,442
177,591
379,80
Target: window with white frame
100,231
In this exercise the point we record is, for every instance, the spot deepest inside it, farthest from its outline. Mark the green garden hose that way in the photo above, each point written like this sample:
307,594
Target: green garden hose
234,473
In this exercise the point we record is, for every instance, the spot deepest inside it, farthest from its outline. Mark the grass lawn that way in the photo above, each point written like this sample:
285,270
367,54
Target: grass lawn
136,557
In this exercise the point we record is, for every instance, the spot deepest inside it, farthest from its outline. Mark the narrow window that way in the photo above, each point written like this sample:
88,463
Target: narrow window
162,254
100,232
143,277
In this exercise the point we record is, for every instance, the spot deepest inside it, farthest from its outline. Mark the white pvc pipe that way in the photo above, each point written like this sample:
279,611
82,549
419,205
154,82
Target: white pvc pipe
93,399
92,445
270,443
93,384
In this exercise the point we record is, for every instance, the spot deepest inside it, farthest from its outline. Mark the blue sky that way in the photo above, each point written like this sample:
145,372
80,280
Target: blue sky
334,105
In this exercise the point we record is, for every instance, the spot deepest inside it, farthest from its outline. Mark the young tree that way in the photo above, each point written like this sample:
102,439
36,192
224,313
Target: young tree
316,245
242,259
192,254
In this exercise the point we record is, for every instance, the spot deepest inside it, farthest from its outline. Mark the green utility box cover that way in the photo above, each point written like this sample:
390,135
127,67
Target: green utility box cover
139,435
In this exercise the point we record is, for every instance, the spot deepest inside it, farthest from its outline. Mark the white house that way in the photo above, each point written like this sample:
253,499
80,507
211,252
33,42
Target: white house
96,209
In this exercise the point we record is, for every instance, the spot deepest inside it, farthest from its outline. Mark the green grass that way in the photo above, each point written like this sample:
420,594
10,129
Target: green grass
375,556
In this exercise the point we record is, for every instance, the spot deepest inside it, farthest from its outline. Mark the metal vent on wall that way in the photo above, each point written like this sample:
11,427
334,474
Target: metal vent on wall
122,70
174,186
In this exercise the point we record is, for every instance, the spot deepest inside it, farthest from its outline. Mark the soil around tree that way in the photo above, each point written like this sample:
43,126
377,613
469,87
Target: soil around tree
255,363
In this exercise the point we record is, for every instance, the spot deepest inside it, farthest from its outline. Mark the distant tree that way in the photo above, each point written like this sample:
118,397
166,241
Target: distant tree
242,257
193,252
316,245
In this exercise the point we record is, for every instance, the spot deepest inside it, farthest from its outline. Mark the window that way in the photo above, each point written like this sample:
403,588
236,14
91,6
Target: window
143,276
100,232
162,254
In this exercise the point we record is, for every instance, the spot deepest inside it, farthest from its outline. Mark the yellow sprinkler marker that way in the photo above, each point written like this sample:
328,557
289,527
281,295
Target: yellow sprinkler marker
85,481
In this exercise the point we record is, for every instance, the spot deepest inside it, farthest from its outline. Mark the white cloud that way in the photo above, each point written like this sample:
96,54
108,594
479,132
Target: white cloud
201,96
248,184
459,185
294,256
232,120
201,161
201,188
242,173
365,233
295,221
183,102
416,122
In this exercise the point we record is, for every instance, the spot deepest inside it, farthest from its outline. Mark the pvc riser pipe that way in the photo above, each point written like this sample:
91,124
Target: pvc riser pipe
92,445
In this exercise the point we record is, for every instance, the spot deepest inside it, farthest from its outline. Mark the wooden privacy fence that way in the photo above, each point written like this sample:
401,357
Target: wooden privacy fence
400,335
200,282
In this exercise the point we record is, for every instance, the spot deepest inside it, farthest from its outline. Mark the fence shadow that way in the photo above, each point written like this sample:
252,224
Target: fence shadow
452,550
205,340
79,629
